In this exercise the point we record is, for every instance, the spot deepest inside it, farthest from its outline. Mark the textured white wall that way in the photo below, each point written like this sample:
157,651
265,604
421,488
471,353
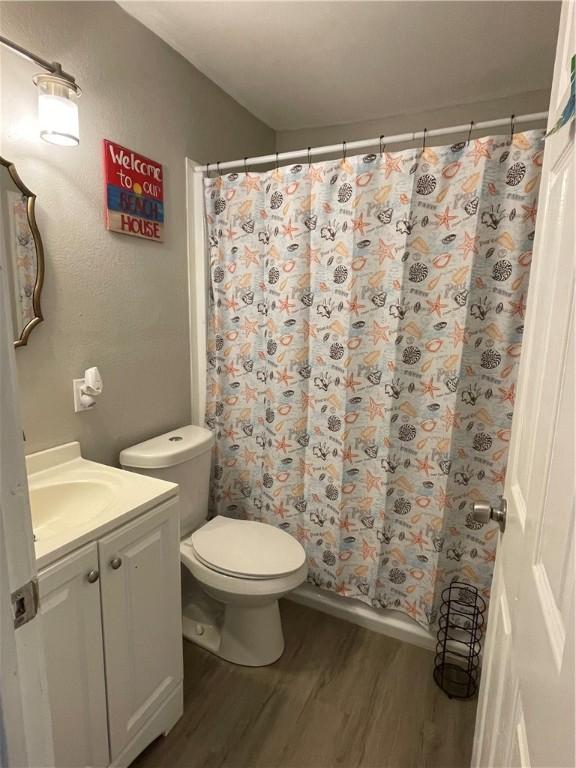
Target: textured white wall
110,300
415,120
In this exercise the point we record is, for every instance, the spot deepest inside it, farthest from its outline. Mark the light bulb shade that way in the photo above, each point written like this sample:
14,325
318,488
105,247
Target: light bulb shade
58,110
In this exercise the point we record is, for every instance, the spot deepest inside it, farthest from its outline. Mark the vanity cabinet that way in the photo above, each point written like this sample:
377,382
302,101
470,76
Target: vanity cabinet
112,628
142,620
72,629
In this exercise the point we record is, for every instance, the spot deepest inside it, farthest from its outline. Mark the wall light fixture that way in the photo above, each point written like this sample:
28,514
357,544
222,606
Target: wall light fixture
58,96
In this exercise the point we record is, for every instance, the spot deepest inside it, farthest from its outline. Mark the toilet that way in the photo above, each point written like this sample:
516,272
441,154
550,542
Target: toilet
233,571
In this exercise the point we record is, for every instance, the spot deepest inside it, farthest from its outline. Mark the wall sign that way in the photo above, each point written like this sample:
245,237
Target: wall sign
134,193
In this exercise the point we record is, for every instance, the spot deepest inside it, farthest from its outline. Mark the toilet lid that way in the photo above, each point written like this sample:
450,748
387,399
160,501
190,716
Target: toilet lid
247,548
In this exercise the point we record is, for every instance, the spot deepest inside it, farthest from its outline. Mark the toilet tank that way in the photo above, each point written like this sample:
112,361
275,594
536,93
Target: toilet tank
181,456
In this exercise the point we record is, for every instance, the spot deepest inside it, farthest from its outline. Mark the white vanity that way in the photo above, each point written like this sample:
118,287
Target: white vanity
107,548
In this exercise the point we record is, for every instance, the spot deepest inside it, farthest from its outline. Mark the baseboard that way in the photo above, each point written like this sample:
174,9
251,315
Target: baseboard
386,621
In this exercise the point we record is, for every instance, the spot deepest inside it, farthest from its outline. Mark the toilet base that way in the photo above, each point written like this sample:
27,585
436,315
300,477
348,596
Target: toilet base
247,635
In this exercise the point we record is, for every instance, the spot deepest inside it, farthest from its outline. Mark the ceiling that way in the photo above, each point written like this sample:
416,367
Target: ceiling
308,64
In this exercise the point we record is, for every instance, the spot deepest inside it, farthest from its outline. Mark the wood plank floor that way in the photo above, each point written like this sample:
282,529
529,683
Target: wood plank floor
339,696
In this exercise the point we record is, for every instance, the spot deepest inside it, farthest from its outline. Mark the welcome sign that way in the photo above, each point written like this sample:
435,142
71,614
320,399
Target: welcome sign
134,193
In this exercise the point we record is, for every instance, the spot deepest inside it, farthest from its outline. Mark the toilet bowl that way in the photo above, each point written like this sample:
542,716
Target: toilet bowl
233,571
245,566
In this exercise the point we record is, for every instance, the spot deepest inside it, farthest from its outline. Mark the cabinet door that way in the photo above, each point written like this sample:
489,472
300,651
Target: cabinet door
72,630
142,620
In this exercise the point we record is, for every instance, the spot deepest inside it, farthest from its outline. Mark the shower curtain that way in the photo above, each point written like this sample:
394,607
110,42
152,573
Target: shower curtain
364,335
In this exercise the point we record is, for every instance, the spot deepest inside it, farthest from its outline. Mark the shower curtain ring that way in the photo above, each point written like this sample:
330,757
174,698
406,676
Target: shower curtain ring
309,157
424,141
208,171
218,168
343,151
470,132
277,166
245,168
512,128
382,146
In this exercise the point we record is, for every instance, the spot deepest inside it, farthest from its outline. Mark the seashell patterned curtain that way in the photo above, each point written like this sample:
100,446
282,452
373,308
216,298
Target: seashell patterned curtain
365,331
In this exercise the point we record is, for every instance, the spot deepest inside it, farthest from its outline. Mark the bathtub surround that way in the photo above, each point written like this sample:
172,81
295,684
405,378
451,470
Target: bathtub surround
111,300
366,324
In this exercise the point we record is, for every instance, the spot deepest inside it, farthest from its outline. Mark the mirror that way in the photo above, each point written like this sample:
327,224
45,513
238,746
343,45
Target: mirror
21,240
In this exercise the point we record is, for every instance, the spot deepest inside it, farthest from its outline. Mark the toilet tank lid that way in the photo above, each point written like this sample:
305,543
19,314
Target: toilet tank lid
168,450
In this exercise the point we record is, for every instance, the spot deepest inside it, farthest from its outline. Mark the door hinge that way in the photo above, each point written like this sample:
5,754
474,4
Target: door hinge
25,603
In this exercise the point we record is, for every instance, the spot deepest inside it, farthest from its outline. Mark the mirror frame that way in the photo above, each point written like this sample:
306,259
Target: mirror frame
30,210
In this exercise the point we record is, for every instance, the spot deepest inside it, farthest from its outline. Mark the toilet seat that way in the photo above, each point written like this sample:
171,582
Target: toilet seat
237,587
245,549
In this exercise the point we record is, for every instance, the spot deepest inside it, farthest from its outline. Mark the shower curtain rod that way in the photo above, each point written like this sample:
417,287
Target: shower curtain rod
367,143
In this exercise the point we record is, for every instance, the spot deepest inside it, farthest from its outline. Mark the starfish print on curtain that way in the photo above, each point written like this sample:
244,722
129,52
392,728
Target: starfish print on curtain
364,337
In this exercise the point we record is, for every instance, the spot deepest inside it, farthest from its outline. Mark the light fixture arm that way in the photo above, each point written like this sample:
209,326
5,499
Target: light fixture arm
50,66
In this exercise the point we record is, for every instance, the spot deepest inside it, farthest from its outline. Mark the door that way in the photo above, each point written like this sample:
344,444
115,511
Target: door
25,734
72,628
142,619
526,710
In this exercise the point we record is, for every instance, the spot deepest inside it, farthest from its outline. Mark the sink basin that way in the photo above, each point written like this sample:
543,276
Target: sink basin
73,501
52,503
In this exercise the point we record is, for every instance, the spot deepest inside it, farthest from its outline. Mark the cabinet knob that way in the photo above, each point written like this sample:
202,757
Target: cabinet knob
92,576
116,562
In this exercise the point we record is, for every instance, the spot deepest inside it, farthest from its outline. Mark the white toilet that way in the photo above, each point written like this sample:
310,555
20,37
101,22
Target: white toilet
243,567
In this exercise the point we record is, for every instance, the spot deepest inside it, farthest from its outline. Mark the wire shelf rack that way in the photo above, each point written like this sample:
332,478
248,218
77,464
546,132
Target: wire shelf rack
459,640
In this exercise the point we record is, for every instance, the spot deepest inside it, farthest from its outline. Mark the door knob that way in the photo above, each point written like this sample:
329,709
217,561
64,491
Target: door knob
92,576
483,512
116,562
